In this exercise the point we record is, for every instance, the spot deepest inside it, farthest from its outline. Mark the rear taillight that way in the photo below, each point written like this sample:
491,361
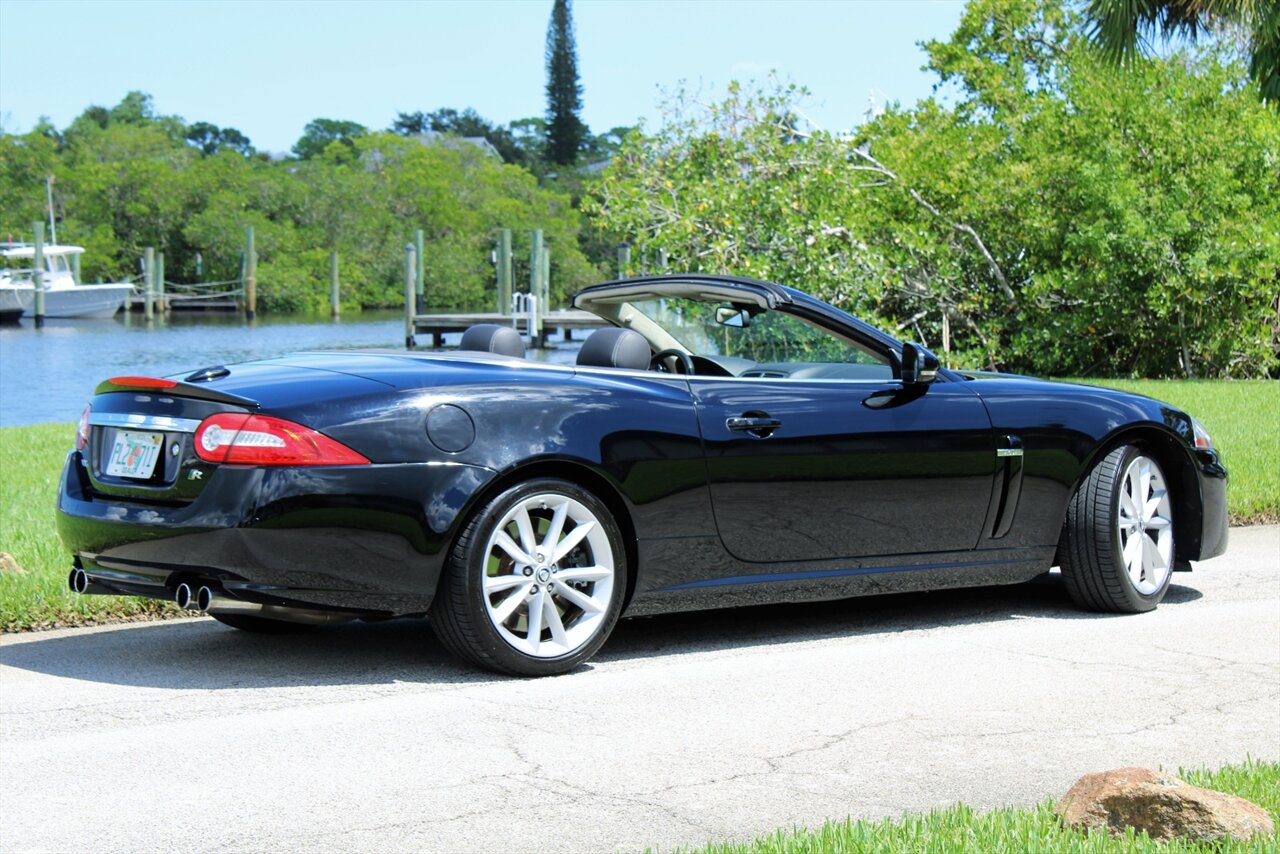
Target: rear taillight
142,382
82,429
260,440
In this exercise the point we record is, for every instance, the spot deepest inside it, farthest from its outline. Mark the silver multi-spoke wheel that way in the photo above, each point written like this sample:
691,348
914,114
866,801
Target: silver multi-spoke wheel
1144,525
549,575
535,580
1117,550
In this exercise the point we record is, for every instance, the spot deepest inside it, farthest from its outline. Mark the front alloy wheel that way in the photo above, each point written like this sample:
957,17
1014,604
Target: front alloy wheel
1117,549
1144,525
535,582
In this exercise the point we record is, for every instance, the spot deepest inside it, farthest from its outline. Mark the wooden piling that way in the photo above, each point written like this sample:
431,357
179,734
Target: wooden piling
148,282
420,277
250,275
333,283
544,297
504,271
624,259
535,284
161,302
410,273
37,271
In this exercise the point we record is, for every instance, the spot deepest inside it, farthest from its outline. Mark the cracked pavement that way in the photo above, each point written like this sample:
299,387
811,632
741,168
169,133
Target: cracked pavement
186,735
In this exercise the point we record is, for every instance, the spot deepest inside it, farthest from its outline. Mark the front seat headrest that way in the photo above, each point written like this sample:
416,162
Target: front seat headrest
492,338
615,348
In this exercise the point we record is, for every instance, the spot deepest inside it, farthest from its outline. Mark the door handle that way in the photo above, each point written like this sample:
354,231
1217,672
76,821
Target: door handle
759,426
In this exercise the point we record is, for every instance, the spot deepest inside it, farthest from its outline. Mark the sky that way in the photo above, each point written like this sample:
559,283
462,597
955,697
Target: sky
269,67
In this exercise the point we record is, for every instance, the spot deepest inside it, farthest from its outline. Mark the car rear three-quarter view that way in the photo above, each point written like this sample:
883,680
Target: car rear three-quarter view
718,442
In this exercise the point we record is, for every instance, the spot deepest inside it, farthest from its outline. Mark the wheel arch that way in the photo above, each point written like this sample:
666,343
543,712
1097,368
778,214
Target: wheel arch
575,472
1171,454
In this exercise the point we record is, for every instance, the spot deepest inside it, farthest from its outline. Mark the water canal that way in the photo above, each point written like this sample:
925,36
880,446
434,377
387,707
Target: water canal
49,374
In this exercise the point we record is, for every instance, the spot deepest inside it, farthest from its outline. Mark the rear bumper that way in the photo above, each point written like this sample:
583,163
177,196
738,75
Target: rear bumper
359,538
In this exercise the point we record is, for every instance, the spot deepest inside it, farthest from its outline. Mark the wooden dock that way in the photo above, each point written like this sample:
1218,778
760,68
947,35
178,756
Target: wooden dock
565,320
173,302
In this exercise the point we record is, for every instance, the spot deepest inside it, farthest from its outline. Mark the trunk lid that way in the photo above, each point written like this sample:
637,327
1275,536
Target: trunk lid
141,442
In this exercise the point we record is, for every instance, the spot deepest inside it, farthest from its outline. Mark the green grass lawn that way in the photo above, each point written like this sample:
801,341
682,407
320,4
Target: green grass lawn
959,828
1241,416
30,464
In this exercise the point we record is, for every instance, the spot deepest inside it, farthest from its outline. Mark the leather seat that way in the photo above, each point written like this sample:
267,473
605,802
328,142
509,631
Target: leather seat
493,338
615,348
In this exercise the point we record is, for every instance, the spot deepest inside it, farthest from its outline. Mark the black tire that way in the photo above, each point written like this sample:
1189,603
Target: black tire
1094,566
462,614
261,625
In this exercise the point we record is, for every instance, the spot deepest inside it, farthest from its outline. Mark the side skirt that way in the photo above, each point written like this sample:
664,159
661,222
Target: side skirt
730,583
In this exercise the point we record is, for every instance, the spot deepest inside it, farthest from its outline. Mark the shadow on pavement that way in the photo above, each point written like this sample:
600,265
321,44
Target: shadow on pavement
201,654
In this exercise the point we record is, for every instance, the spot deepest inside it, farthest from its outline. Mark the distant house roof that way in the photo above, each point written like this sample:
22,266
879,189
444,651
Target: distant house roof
449,140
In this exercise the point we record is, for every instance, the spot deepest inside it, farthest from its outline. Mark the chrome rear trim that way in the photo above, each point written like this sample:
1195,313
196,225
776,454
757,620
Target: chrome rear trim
144,422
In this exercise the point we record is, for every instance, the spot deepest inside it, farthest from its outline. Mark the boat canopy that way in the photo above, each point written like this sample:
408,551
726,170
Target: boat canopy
27,250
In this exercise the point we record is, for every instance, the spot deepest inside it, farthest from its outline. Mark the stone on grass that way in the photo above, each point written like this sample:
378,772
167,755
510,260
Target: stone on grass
9,566
1162,805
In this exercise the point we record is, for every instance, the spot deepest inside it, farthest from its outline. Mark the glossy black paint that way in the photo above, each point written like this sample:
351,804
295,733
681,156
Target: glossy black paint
832,480
833,488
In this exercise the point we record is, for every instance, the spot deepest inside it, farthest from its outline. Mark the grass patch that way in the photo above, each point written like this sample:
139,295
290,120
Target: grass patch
37,597
959,828
1240,415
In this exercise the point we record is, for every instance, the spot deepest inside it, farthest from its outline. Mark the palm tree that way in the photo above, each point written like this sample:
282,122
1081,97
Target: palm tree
1120,28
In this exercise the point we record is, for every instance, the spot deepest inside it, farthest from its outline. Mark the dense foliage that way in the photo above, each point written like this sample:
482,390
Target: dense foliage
125,178
1119,27
1044,213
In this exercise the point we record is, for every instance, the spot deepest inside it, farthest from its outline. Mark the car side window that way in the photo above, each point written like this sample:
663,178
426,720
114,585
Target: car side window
749,341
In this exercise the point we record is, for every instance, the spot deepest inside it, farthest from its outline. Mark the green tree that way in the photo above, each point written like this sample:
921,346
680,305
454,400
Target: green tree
1119,28
565,130
319,134
1053,216
211,139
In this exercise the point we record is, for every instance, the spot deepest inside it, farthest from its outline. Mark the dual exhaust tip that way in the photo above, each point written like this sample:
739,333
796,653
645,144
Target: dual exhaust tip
207,600
186,596
191,599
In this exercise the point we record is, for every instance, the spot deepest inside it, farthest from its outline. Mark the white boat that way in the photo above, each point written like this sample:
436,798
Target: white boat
14,300
62,296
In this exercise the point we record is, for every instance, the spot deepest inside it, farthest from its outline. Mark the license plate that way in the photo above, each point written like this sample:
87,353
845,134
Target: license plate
134,454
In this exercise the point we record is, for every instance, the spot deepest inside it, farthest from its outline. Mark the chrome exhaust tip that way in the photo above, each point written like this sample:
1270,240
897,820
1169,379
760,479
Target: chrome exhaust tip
79,580
184,597
204,598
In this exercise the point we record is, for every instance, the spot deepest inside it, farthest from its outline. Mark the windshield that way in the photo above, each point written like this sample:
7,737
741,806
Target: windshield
762,337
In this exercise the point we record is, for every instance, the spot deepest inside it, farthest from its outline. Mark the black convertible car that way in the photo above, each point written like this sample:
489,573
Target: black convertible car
721,441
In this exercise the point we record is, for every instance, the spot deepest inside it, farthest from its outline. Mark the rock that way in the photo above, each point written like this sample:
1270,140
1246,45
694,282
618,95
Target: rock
1162,805
9,566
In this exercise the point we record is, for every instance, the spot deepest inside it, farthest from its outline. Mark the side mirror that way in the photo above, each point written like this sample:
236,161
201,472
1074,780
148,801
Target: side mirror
919,366
727,315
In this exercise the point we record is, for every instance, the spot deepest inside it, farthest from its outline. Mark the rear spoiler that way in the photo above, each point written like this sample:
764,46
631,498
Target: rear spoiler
174,387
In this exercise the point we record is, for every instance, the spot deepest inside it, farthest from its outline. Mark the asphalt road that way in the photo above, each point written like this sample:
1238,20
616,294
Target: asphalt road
189,736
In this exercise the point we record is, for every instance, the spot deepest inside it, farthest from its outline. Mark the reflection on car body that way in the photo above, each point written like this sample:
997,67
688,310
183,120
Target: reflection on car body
722,441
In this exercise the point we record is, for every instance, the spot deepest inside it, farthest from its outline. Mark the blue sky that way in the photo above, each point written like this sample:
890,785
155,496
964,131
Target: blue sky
267,68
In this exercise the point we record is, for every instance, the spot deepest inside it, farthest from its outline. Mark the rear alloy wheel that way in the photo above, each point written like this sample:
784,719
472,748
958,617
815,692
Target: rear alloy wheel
1118,551
535,582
